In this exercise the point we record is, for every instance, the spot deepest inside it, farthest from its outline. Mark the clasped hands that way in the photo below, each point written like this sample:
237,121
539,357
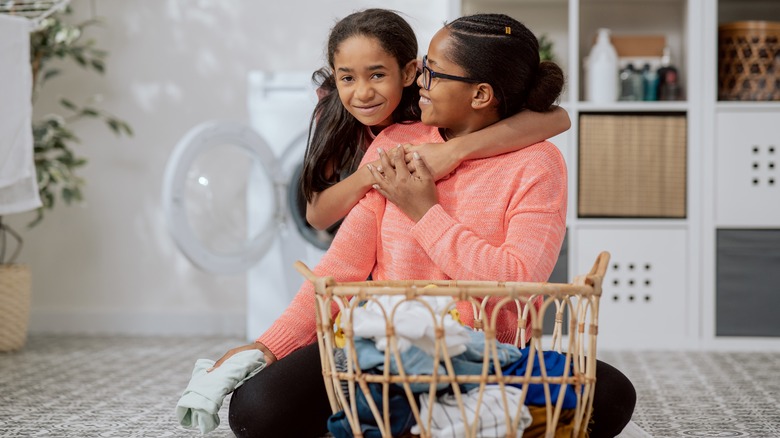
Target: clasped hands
410,186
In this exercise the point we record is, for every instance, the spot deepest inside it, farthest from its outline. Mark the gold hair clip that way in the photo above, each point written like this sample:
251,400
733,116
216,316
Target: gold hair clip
508,30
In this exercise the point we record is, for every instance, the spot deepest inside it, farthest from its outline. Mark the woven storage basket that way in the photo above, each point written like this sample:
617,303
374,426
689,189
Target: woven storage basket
579,300
632,165
749,60
14,306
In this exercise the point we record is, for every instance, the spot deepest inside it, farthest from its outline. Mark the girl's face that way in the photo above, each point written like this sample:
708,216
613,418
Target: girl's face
448,102
369,80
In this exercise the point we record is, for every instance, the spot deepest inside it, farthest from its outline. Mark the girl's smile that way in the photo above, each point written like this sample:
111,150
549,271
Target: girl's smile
368,110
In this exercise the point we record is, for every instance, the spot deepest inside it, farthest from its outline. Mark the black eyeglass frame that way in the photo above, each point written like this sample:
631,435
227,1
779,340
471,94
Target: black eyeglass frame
429,75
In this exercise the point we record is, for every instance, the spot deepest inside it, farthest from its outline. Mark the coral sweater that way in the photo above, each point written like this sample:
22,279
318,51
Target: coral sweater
501,218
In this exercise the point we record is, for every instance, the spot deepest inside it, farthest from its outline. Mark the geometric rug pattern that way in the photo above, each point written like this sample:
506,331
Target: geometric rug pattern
703,394
101,386
92,386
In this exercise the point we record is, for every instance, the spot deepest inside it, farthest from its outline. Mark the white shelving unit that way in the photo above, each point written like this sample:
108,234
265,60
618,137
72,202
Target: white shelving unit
737,196
661,291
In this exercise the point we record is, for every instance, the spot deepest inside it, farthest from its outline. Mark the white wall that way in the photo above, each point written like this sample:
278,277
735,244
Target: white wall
108,265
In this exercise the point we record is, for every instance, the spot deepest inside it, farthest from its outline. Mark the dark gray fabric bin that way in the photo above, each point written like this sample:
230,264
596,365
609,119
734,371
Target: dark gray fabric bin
748,282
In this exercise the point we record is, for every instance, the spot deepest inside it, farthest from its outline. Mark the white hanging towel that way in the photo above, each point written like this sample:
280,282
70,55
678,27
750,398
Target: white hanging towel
18,183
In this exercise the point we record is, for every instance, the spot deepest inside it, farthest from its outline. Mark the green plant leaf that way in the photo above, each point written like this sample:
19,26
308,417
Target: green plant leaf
89,112
98,65
68,104
128,129
47,199
67,195
546,48
71,194
48,74
115,126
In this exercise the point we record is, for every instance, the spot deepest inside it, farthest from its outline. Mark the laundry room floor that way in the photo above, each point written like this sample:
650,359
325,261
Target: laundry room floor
89,386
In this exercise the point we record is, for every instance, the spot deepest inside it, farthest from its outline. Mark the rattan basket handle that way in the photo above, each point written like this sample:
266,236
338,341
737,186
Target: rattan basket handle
305,271
600,267
597,272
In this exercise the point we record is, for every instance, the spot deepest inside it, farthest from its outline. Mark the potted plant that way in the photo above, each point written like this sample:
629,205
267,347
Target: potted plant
14,291
546,48
56,161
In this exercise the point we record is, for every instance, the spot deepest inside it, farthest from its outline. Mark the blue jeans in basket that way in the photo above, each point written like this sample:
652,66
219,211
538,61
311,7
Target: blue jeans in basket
401,418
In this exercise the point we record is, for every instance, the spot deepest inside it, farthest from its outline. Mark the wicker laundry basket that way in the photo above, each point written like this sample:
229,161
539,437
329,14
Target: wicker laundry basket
578,301
14,305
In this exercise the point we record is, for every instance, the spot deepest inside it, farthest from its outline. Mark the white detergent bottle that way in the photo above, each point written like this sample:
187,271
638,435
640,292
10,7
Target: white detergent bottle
601,74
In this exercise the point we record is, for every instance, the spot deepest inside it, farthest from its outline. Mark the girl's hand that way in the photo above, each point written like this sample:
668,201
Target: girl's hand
440,159
269,357
414,193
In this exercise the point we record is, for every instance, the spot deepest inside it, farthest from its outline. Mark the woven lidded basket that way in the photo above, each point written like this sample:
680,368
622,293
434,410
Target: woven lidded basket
356,394
14,306
749,61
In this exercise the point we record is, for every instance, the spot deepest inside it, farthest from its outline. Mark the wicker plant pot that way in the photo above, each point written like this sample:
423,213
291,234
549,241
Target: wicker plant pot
14,306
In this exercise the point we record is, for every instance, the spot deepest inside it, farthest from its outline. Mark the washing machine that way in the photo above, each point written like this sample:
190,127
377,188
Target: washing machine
232,200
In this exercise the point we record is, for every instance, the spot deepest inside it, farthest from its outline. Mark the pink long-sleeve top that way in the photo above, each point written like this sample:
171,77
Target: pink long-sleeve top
501,218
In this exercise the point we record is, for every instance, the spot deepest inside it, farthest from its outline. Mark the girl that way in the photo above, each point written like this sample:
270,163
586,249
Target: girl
499,218
366,89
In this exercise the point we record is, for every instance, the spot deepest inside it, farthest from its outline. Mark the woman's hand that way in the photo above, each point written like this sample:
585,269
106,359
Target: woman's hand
414,193
441,160
269,357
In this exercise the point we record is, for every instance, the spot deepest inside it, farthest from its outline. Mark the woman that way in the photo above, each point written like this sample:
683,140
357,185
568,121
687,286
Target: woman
499,218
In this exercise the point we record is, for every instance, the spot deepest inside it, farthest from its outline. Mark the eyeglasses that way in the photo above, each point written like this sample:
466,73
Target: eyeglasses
428,75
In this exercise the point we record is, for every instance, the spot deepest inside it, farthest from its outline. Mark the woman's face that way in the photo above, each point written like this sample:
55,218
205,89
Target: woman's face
369,80
448,102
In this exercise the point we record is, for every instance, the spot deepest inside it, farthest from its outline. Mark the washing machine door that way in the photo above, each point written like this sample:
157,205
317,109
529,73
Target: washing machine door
205,198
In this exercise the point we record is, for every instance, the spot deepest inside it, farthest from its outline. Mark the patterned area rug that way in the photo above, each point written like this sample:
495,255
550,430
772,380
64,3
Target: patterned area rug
704,394
128,387
101,386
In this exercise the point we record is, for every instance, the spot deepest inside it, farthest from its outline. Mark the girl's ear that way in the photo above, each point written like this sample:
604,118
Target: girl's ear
483,96
410,72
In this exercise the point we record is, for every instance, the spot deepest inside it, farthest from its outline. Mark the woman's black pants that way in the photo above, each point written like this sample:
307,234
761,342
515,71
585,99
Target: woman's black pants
288,399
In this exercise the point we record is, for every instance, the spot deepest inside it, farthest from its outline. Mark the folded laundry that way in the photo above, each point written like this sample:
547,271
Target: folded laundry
554,366
401,418
199,406
415,361
447,420
413,320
